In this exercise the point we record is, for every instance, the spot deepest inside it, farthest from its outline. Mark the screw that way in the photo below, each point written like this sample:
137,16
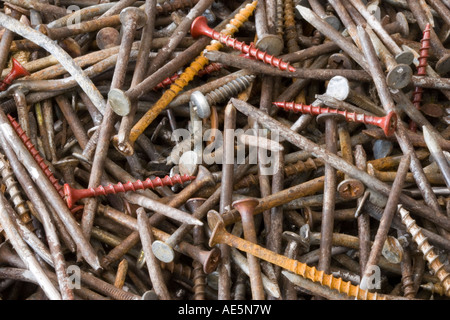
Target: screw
164,250
201,102
337,162
199,27
35,153
421,70
17,71
246,208
199,276
220,235
427,249
122,98
73,195
24,252
387,123
443,65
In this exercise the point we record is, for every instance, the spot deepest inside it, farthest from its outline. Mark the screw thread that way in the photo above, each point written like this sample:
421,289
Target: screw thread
12,187
300,268
72,195
408,286
434,288
424,53
427,249
169,6
289,170
252,51
280,18
178,269
35,153
210,68
386,123
229,90
199,63
290,27
199,281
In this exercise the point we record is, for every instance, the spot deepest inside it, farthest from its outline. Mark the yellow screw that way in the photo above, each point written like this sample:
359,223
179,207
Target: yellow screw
220,235
189,73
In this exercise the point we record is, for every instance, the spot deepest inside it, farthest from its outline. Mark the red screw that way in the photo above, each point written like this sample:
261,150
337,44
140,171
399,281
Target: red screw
39,160
17,71
73,195
388,123
200,27
424,53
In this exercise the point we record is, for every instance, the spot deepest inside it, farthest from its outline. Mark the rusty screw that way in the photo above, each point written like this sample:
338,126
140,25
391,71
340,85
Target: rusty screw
200,27
388,123
73,195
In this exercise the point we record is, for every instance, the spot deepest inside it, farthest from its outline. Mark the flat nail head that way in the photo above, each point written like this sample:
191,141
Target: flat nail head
212,260
399,76
163,251
443,65
119,102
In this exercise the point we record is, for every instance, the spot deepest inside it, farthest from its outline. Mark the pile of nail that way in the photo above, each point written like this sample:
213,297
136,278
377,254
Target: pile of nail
224,150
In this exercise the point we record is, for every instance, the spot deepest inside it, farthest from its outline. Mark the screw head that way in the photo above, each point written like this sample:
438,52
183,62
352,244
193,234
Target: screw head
213,218
245,204
200,105
119,102
198,26
340,59
212,260
163,251
338,88
399,76
390,124
350,189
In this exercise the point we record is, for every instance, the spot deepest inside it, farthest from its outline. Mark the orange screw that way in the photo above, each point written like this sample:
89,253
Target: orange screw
220,235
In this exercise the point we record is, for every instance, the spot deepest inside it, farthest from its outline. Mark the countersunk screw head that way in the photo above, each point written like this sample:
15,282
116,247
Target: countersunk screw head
350,189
